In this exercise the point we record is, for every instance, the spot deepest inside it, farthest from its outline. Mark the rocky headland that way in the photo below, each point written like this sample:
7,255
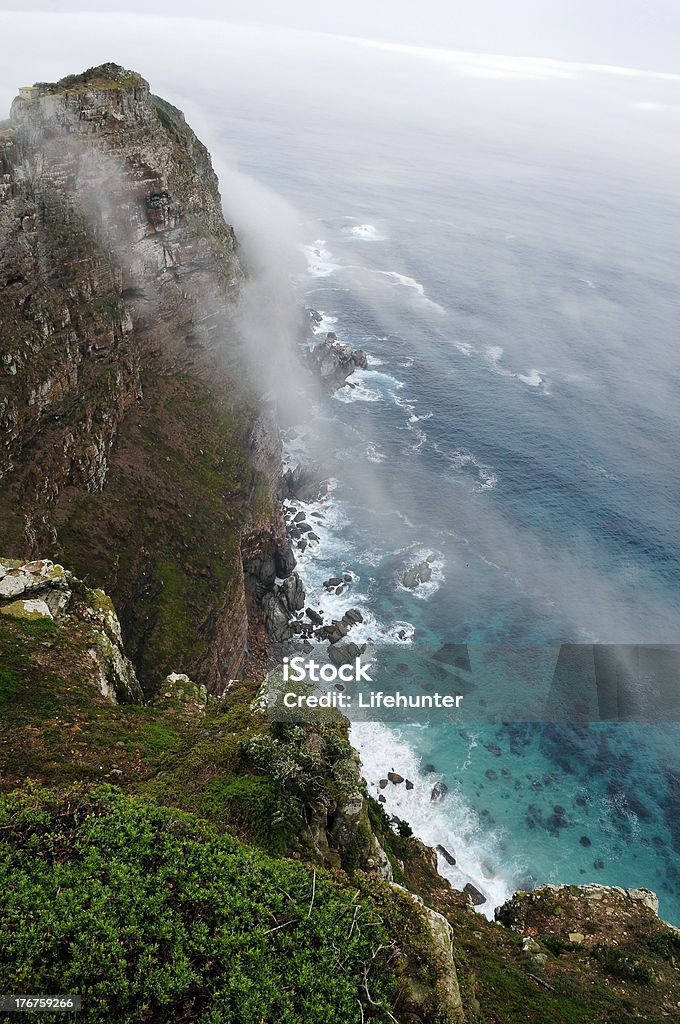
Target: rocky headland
148,533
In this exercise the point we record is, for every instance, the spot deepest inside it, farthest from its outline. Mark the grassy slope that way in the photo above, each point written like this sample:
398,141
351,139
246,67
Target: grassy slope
59,731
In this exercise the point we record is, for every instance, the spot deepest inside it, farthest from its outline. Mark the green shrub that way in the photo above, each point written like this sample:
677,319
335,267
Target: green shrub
667,945
152,916
622,965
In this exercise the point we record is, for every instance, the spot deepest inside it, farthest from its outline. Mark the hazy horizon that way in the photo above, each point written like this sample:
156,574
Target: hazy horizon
643,35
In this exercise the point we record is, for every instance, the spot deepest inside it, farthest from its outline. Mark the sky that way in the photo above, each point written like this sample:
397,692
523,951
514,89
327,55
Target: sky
634,33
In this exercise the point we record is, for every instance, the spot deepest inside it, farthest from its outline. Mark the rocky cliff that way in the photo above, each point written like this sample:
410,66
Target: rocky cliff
134,448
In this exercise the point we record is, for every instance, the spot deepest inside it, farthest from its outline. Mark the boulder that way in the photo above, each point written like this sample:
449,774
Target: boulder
353,617
477,898
344,654
448,857
439,791
335,362
333,632
314,616
395,778
417,574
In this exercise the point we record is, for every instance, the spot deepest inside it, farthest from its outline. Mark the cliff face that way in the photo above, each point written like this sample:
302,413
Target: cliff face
133,447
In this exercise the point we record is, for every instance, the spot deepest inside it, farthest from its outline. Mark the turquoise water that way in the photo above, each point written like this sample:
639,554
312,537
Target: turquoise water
519,423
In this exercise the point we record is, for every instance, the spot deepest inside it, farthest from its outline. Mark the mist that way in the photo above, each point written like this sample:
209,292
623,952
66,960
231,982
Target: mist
349,120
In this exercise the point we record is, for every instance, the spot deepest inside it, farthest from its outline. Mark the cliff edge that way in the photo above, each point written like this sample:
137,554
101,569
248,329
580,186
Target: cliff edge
133,447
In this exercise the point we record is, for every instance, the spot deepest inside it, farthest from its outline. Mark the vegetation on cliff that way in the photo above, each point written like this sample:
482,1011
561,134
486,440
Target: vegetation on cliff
128,415
151,915
267,793
169,853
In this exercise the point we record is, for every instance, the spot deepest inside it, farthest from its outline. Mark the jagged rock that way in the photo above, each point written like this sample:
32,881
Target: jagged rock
313,537
334,581
285,560
439,791
276,618
409,784
477,898
353,616
383,783
302,482
292,593
262,570
314,616
334,361
448,857
311,319
417,574
333,632
395,778
345,654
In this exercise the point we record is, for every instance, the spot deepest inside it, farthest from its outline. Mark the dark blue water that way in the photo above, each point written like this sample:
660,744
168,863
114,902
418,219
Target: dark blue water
519,422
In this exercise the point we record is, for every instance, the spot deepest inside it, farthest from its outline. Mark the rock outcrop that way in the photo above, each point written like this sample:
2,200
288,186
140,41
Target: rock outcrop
335,362
417,574
42,590
587,913
445,993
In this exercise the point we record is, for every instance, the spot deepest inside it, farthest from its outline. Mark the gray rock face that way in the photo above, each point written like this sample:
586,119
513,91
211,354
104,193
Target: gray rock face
285,560
345,821
276,618
335,362
292,593
304,483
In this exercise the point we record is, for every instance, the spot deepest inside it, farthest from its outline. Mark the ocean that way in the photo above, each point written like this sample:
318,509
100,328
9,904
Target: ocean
507,255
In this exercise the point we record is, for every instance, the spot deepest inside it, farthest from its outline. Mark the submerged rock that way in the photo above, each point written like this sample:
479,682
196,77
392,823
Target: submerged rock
439,791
